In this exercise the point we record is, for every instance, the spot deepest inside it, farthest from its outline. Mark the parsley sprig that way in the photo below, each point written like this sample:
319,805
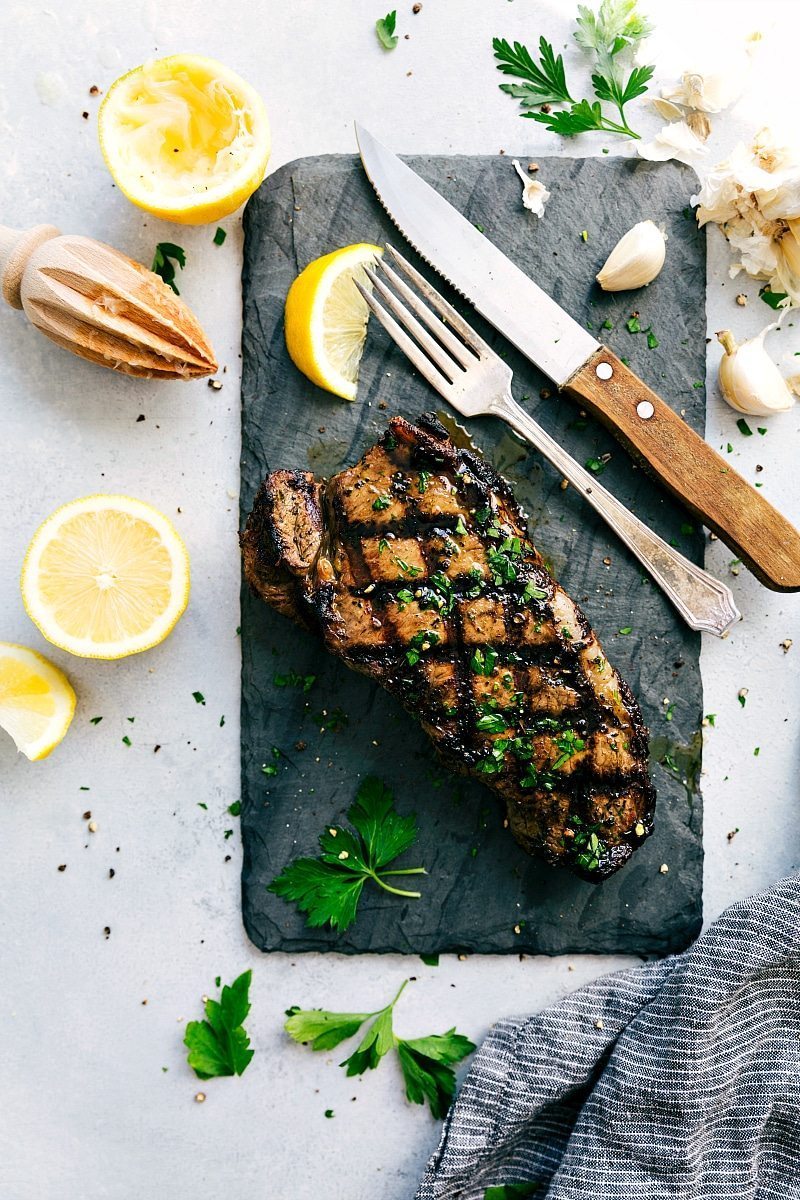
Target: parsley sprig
219,1045
426,1062
609,36
328,888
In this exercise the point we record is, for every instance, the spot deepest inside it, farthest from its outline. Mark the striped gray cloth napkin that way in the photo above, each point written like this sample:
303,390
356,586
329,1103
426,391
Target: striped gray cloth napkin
678,1079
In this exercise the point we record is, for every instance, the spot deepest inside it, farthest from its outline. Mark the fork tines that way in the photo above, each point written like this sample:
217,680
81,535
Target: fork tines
442,358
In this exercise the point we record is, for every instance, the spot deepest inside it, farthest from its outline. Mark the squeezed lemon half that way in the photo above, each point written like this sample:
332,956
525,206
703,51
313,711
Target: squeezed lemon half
326,318
37,702
105,577
185,138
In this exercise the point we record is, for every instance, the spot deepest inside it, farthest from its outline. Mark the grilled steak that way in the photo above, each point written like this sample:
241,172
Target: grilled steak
416,568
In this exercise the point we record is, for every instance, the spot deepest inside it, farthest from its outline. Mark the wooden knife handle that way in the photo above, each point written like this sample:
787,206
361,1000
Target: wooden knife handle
666,446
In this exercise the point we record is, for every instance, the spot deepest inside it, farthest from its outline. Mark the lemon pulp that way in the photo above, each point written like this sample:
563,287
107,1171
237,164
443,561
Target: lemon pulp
326,318
37,702
185,138
105,577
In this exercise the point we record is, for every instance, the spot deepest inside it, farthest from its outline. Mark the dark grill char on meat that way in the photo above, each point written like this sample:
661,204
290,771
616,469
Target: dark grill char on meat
416,568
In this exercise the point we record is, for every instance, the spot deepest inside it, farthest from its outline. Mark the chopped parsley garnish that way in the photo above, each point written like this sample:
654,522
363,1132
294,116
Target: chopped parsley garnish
382,545
422,482
295,680
532,592
219,1045
568,743
632,325
219,236
596,465
126,741
501,561
164,267
492,723
385,30
271,768
652,340
235,808
199,698
332,720
483,662
710,719
626,629
420,641
461,529
438,593
404,597
328,888
426,1063
381,502
589,847
744,428
95,720
406,568
773,299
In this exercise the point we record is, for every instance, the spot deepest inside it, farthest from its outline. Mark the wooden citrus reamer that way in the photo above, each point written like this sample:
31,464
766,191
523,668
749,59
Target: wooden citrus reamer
101,305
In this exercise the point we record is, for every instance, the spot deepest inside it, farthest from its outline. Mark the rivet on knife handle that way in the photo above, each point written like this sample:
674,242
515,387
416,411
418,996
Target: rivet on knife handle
702,480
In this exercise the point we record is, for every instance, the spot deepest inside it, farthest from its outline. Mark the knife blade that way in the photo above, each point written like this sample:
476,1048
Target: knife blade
500,291
649,429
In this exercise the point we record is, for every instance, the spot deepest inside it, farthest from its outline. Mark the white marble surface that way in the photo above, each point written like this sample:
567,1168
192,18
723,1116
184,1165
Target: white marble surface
89,1109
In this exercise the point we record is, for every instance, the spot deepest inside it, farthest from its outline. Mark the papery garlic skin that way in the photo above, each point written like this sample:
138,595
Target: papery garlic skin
676,141
748,378
635,260
534,194
754,196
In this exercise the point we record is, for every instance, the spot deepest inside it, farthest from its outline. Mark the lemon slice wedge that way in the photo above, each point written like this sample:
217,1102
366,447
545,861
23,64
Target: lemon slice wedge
105,577
185,138
326,318
37,702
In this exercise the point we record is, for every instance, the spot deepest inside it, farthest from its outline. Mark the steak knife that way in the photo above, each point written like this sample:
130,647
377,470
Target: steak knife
589,372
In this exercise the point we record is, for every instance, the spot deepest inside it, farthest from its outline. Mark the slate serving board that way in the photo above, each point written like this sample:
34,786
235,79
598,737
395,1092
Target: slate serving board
483,893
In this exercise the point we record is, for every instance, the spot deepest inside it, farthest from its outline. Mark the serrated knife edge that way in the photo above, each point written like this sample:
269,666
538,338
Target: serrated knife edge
479,271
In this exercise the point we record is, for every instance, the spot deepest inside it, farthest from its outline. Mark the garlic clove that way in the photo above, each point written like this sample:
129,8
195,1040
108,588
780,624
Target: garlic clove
534,194
635,260
748,378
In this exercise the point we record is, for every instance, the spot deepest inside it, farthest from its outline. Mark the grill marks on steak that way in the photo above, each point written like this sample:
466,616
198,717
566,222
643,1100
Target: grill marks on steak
416,568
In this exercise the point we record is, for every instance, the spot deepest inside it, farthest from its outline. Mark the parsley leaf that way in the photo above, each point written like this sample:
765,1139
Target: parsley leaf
219,236
511,1191
426,1063
328,888
219,1045
545,83
610,35
384,28
162,266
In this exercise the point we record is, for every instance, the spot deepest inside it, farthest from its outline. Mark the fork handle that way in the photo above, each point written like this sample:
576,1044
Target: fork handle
704,602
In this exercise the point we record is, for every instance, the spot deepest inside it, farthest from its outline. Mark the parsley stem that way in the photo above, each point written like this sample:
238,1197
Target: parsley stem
387,887
407,871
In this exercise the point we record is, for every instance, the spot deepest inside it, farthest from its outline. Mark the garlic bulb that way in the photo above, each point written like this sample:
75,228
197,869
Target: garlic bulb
635,260
749,379
534,194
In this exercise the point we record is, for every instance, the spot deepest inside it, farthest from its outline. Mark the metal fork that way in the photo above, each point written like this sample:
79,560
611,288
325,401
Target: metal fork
475,380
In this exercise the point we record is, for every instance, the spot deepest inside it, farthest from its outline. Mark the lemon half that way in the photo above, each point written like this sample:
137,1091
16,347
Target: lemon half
37,702
185,138
326,318
105,577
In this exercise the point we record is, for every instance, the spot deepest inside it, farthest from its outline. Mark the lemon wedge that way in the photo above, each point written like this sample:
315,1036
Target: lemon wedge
185,138
326,318
105,577
36,701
